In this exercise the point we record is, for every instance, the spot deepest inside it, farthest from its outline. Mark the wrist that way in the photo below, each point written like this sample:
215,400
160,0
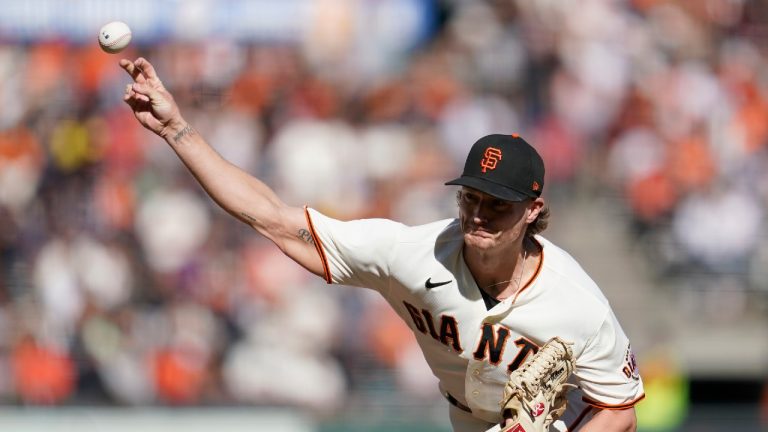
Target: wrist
175,130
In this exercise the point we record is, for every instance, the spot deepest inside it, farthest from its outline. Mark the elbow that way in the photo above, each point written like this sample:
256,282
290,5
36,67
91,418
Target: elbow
631,424
627,421
612,420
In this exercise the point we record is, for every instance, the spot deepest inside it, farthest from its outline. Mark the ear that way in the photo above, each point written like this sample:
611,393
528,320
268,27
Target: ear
534,208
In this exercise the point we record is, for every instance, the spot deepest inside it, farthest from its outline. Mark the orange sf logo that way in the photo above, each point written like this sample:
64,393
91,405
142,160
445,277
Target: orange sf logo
490,157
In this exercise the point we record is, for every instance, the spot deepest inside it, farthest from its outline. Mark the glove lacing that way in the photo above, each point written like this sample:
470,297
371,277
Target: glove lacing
533,373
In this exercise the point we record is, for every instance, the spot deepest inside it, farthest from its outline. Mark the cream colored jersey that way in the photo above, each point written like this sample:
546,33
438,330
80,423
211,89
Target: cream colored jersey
421,272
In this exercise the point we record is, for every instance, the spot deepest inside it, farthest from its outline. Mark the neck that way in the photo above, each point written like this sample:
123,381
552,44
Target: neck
497,274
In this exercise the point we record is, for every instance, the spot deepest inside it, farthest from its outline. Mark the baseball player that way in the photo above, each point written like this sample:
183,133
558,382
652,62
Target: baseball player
482,292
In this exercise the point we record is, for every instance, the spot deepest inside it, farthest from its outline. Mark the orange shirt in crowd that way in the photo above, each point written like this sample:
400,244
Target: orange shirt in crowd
42,375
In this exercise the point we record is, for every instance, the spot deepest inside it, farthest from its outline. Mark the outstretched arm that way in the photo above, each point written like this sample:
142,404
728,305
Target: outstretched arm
240,194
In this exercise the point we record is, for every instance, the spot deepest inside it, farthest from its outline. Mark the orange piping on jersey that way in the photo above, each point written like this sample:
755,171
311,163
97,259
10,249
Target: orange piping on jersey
580,418
613,407
529,282
319,247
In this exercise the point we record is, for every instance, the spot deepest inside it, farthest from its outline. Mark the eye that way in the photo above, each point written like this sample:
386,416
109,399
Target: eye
468,198
500,205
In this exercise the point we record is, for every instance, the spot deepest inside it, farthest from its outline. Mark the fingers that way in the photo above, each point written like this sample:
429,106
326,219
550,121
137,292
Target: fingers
141,71
129,95
131,98
132,70
145,91
146,68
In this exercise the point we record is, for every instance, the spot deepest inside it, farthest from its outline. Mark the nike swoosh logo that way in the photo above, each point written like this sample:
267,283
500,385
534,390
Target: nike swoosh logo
429,284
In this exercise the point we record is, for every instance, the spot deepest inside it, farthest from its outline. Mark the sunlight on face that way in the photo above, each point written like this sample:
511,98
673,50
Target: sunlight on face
489,222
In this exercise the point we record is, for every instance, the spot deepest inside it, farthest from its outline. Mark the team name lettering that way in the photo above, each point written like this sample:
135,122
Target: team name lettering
630,368
490,345
526,348
449,331
425,323
431,324
492,342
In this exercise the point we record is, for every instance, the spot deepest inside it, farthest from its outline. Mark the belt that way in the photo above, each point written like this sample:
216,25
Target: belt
456,403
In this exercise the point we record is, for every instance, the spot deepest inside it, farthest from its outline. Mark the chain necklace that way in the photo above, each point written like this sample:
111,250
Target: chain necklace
519,279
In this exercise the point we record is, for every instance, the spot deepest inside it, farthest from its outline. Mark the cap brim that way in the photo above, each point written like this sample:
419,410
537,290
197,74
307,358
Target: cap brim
491,188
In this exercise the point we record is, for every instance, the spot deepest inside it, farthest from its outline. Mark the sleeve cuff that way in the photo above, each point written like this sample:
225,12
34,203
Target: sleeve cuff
318,246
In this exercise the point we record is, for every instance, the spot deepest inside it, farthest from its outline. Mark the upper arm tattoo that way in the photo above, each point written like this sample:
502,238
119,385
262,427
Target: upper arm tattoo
306,236
302,234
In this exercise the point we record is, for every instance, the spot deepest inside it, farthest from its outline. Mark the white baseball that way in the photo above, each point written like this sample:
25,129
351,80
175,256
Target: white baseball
114,37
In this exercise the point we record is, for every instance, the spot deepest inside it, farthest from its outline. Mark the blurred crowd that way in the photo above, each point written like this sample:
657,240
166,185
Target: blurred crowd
122,283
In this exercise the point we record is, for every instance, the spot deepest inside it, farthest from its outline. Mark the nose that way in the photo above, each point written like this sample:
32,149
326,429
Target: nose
479,212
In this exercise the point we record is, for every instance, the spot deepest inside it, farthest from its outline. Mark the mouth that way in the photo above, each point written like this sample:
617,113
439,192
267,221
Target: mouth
471,229
478,231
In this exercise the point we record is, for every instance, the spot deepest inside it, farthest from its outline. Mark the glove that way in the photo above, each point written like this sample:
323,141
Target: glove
534,396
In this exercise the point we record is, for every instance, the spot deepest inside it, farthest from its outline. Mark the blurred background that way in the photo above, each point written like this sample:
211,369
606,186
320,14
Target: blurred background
128,300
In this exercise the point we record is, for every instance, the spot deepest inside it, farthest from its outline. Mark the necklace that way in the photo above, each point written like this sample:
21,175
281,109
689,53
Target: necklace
519,279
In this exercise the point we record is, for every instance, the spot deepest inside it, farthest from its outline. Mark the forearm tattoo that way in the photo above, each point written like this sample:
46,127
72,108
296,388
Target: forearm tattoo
248,217
306,236
182,133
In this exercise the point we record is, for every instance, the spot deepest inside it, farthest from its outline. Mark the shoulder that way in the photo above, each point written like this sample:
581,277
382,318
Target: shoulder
361,251
373,226
387,230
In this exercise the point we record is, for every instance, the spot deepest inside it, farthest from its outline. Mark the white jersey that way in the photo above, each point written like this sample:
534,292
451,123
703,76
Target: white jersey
421,272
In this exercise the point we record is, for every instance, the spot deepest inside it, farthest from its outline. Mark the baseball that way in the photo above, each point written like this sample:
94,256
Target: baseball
114,37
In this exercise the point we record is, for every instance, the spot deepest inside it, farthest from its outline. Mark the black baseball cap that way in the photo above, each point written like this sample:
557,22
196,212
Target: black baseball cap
503,166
